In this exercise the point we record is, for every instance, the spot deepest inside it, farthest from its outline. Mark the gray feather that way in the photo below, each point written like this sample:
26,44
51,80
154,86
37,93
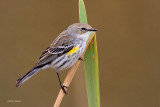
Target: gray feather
27,76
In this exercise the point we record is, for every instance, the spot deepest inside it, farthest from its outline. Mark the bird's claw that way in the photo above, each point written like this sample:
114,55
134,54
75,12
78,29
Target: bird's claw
63,88
81,59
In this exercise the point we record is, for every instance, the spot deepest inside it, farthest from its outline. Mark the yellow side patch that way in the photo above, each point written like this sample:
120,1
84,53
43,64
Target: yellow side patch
75,49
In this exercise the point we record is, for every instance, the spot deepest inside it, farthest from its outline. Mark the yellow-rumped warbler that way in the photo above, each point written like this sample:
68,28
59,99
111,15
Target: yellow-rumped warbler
64,51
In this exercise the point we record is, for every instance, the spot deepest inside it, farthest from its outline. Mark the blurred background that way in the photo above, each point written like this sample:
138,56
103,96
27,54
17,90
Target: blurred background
128,45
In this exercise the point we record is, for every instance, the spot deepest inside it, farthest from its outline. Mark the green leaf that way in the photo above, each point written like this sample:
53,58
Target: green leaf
91,64
82,12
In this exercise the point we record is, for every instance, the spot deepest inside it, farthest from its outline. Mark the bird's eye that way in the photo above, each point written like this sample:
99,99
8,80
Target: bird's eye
83,29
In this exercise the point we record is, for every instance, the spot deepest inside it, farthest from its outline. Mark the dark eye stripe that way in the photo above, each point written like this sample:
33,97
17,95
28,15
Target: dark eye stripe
83,29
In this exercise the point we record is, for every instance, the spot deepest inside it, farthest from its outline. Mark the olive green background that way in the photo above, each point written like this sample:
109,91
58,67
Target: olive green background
128,46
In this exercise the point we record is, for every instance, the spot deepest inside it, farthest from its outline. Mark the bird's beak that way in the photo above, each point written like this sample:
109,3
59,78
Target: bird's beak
92,29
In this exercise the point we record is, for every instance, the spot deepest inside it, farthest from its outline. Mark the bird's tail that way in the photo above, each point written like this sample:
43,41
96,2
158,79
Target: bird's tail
27,76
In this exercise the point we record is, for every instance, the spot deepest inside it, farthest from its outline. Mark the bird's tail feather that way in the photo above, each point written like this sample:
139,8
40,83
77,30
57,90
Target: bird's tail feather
27,76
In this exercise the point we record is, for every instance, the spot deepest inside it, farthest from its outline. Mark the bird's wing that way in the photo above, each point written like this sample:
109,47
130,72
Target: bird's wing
51,54
59,47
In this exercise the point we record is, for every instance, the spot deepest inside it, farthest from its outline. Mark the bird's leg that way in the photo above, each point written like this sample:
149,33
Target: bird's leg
62,86
81,59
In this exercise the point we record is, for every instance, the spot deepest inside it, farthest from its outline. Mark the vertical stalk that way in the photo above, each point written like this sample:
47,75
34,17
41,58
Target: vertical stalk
91,64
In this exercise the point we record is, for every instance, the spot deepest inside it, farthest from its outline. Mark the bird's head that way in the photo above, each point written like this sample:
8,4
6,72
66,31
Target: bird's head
81,30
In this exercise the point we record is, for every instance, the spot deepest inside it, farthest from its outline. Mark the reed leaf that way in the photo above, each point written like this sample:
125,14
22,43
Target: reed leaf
91,64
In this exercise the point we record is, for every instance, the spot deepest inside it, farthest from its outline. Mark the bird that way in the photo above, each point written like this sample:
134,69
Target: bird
63,52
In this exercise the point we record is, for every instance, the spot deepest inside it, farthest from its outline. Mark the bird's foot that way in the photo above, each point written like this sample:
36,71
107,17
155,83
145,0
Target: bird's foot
63,88
81,59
